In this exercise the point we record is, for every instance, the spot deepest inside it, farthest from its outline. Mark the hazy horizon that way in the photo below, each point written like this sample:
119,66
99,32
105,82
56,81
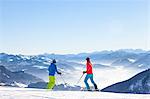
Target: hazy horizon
71,53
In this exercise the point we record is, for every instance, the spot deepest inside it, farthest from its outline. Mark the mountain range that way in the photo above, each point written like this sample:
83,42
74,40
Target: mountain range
18,78
23,70
129,58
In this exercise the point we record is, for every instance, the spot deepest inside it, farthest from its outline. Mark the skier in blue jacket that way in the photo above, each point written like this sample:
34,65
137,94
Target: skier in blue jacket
52,70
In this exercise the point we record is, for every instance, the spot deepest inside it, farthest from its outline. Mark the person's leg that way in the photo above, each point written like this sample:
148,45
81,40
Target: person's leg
91,78
86,83
48,83
51,83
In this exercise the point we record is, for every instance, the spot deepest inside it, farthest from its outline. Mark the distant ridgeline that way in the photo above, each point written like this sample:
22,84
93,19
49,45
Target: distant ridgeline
19,79
126,58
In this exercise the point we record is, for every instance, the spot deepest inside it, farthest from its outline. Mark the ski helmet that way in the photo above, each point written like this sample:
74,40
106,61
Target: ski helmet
54,61
87,58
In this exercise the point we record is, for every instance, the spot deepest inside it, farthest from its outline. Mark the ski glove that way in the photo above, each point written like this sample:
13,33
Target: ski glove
84,72
59,73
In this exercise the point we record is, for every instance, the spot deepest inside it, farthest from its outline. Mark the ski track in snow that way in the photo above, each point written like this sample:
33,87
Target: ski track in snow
29,93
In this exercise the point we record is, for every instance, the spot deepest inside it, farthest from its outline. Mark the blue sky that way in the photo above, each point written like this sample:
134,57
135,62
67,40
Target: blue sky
73,26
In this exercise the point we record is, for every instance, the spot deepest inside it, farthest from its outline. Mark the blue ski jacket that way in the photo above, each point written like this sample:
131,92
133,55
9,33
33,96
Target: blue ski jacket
52,69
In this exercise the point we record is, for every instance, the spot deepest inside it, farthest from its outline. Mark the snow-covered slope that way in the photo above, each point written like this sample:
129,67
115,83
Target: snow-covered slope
140,83
24,93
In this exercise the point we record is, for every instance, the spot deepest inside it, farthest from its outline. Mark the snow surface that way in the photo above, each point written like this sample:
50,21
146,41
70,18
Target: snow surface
20,85
6,75
40,67
24,93
131,60
11,60
140,65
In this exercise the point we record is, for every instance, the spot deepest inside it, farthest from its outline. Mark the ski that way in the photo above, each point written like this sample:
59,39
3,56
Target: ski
91,90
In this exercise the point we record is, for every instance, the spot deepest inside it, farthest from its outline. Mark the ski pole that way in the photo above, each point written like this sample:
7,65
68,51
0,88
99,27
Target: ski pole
80,79
63,79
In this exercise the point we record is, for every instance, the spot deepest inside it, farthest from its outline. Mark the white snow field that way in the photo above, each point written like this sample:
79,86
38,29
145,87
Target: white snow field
29,93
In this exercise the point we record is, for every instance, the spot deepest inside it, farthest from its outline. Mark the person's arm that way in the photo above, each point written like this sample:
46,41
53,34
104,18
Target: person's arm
57,70
84,72
86,69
